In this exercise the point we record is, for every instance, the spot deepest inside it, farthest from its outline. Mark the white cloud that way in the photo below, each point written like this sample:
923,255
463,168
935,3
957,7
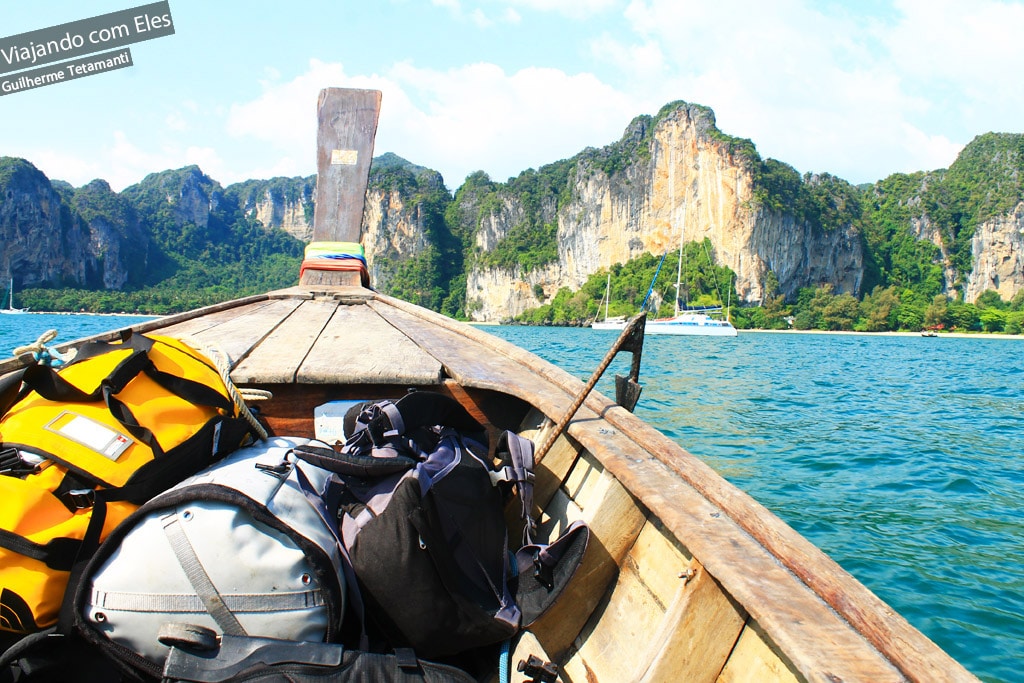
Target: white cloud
457,121
576,9
122,162
175,121
827,89
283,116
482,19
478,117
70,167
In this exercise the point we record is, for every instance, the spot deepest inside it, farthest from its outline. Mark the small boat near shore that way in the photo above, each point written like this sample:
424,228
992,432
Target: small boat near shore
617,322
686,577
10,309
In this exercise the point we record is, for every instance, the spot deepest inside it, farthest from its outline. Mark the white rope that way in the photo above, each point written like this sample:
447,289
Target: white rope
42,353
238,396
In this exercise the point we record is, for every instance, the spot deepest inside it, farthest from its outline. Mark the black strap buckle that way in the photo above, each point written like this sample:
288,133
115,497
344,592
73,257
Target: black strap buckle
537,670
79,499
542,572
11,463
406,659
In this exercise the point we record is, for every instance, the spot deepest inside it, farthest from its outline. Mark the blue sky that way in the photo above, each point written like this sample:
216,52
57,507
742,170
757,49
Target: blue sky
859,89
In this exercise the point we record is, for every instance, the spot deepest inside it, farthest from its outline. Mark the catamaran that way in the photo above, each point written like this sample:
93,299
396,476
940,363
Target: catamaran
691,321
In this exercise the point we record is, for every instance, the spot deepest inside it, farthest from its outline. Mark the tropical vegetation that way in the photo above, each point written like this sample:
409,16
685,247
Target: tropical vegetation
173,261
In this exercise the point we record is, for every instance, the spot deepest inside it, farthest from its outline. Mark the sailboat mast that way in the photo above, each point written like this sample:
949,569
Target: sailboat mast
679,267
682,228
607,294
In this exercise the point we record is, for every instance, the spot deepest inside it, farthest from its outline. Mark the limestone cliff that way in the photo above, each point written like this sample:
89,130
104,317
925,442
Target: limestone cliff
117,242
37,230
393,231
493,250
279,203
672,178
970,216
998,256
410,250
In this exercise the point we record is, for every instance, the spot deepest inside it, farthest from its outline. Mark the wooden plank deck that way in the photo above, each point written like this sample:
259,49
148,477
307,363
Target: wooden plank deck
375,353
277,359
237,331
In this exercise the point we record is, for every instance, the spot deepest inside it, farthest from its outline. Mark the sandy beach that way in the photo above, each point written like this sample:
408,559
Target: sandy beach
950,335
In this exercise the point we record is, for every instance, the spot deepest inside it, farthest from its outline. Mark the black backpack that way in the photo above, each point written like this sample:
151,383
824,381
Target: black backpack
421,515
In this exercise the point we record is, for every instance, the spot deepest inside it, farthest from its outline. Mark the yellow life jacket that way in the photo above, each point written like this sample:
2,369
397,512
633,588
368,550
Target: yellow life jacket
81,448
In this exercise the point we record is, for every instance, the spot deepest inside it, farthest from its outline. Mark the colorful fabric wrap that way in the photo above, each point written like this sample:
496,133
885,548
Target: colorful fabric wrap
336,256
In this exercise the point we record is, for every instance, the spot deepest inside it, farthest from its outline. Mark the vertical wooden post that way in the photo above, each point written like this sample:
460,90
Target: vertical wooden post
346,127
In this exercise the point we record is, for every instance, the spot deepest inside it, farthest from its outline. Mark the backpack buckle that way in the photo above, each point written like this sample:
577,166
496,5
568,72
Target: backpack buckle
79,499
544,573
537,670
12,464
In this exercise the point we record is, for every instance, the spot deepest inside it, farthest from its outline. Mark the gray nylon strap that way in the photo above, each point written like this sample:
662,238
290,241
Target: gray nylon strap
198,577
192,604
520,450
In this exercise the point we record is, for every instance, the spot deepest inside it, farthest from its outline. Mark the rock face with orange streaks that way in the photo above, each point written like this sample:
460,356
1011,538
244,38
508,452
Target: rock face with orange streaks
670,178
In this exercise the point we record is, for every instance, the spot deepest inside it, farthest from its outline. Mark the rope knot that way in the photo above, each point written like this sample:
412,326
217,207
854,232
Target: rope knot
45,355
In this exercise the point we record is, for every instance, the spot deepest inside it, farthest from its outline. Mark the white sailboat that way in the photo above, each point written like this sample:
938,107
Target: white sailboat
697,321
10,301
617,322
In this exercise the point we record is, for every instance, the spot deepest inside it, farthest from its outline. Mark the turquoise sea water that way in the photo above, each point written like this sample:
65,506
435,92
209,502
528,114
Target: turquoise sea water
901,457
22,330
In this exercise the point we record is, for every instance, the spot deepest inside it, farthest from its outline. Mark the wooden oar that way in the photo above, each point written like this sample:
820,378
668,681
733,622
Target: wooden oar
347,125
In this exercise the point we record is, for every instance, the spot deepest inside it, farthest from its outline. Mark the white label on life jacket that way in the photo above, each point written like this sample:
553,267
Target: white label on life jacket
94,435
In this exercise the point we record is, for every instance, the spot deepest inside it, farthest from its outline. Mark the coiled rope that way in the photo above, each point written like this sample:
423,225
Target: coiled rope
238,396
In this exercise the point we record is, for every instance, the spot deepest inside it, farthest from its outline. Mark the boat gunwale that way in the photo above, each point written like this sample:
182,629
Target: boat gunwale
910,651
888,632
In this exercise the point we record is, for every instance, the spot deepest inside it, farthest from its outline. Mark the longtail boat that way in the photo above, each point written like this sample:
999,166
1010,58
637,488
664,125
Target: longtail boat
686,578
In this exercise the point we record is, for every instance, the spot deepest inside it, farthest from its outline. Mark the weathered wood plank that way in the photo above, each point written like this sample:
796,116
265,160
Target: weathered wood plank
157,326
615,520
374,352
347,125
699,630
821,645
532,424
887,631
752,661
278,358
451,350
618,640
553,468
236,334
193,326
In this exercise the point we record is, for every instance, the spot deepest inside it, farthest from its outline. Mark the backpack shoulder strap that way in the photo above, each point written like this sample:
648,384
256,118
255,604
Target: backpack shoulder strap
517,453
11,390
353,463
